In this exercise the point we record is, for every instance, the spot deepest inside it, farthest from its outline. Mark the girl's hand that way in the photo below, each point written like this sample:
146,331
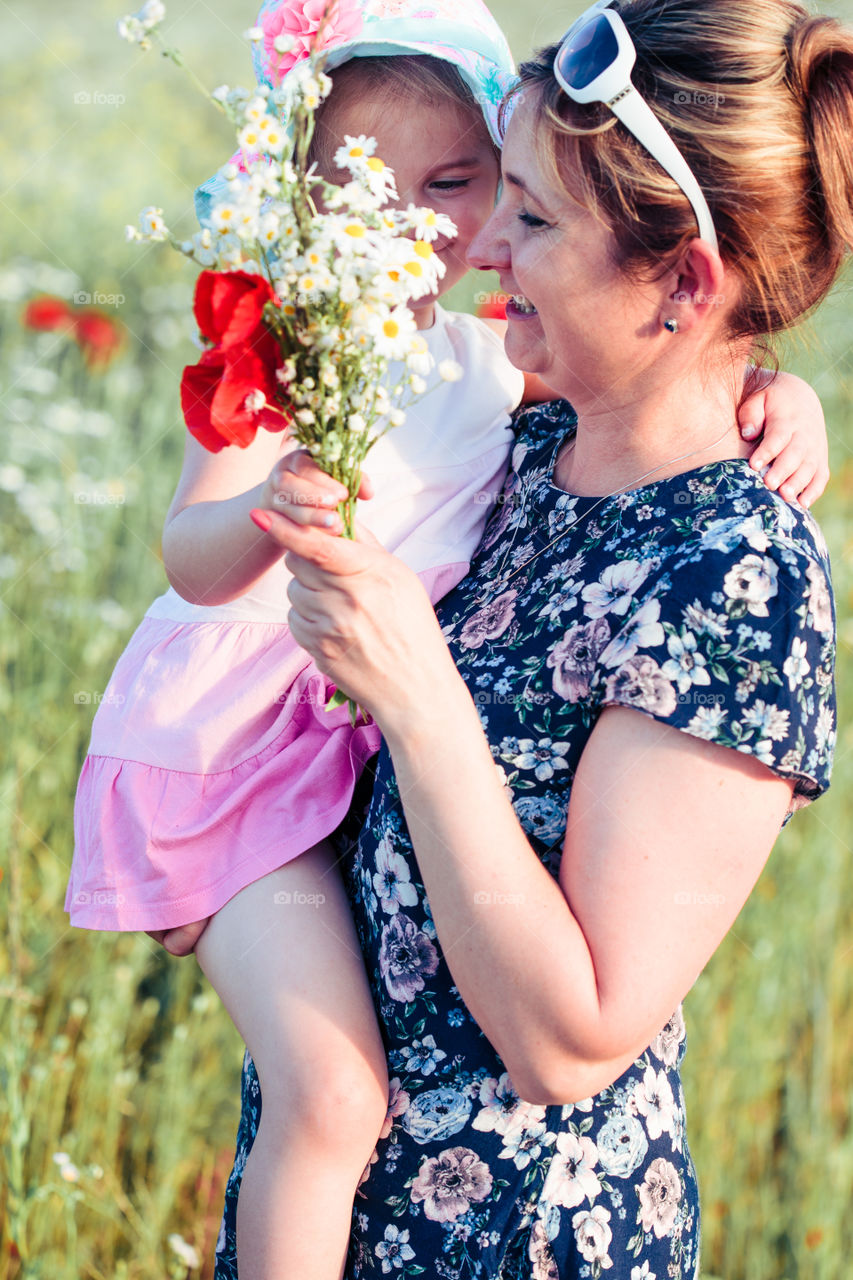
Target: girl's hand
794,442
296,487
360,612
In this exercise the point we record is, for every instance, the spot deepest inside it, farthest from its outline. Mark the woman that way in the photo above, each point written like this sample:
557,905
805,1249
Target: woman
588,757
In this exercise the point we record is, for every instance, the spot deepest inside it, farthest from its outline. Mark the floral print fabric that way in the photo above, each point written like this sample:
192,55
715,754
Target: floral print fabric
703,601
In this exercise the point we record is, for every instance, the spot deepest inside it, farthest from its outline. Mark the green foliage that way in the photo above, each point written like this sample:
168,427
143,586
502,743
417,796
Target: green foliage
116,1058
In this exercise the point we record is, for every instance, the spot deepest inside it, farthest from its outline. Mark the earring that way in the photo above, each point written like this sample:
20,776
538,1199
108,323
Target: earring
671,325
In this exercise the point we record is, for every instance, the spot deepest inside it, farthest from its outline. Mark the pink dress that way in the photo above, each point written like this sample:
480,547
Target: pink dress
212,759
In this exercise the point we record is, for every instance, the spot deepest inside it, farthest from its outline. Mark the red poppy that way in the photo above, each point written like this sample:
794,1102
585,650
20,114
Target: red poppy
244,357
494,308
99,336
48,313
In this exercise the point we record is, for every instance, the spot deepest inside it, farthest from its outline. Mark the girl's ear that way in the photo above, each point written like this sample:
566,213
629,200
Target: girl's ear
702,287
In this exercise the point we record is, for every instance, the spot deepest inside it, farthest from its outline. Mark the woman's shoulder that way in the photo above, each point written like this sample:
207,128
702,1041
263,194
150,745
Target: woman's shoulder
724,510
719,620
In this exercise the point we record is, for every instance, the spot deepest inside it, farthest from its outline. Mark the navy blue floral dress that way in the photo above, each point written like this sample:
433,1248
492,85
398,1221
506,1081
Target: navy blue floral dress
703,601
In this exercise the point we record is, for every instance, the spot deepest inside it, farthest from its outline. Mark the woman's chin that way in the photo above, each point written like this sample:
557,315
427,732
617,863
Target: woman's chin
521,352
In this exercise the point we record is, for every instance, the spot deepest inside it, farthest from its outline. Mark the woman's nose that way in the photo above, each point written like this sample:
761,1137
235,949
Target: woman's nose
489,251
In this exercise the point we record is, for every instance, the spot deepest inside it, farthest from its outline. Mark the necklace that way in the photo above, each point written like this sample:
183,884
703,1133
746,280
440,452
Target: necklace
499,581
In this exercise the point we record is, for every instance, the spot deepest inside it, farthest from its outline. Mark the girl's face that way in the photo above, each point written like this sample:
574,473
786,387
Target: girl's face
579,322
442,157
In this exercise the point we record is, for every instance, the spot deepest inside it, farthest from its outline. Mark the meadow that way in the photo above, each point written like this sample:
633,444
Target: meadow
118,1069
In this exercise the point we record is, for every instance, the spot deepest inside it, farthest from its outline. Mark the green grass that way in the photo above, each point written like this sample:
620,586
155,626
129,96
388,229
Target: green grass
116,1057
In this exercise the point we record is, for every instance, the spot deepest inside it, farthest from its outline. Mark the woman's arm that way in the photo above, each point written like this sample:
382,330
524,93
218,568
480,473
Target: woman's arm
666,836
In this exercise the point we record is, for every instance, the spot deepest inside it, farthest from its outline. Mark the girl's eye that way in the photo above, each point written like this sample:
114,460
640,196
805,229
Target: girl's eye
450,184
530,219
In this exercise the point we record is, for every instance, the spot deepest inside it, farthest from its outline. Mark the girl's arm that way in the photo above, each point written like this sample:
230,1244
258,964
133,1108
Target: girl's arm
212,552
570,980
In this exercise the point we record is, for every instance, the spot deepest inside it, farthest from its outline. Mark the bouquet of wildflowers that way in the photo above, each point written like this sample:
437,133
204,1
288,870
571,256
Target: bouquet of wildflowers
302,304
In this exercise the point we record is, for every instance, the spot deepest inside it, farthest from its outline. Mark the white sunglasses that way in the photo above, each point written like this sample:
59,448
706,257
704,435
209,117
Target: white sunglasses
594,64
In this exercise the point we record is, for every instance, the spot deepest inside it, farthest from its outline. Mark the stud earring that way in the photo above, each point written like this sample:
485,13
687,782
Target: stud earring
671,326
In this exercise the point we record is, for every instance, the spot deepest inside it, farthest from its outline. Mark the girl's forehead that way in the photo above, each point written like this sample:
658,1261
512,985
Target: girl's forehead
413,123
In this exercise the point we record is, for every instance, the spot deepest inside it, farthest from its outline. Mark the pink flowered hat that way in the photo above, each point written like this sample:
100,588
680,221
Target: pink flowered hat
459,31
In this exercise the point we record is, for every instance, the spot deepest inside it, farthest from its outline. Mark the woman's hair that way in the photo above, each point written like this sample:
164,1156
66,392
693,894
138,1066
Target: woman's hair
396,81
758,95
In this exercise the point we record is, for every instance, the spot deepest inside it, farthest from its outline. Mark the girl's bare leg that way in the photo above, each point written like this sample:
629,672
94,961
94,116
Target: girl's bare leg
284,957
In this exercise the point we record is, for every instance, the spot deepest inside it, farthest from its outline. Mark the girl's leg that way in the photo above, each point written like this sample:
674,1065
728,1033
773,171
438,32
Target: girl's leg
284,957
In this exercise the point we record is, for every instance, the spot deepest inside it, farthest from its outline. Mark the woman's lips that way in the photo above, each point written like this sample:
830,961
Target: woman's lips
519,308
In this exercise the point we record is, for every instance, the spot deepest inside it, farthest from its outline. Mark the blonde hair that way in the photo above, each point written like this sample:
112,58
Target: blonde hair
392,79
758,95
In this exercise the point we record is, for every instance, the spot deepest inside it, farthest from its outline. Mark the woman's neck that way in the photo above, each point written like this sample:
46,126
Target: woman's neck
679,427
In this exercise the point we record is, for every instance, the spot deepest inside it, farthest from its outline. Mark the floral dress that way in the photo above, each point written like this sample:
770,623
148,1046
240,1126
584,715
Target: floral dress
703,601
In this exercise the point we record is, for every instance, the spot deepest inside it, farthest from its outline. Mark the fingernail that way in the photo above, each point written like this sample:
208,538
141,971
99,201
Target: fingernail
329,521
262,519
749,431
329,500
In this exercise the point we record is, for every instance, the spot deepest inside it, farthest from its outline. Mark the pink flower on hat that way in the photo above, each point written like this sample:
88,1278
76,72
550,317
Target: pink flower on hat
301,21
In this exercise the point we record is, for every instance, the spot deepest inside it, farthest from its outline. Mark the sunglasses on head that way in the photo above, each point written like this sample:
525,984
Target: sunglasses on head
594,64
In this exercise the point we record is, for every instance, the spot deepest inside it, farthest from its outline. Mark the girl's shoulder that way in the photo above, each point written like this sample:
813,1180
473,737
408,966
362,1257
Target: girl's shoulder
470,333
479,350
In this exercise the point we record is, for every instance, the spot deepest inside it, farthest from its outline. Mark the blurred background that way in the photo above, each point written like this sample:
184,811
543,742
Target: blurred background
119,1072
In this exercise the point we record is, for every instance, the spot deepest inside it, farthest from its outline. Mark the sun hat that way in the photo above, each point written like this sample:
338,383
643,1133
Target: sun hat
462,32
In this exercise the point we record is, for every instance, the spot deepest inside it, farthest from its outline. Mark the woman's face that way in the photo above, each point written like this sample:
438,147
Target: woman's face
576,319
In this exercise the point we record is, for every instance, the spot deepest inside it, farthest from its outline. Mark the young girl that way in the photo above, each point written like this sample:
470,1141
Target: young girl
215,774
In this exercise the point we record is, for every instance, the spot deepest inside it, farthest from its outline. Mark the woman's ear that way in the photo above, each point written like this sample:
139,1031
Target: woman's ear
701,288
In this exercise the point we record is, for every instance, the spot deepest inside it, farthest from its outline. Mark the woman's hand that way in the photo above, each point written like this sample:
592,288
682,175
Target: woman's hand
360,612
794,444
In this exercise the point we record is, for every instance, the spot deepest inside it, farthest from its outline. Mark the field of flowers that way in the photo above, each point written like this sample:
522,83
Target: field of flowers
118,1070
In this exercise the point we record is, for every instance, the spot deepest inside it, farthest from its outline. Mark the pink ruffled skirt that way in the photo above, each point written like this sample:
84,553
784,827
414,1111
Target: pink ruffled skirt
212,762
